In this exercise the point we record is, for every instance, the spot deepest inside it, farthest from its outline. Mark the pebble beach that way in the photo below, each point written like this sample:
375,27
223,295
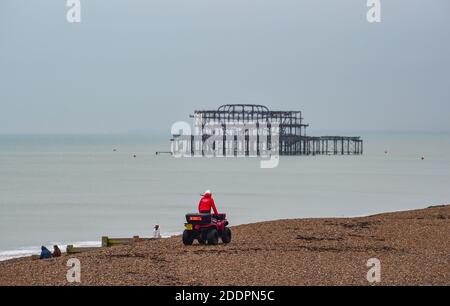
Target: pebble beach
413,248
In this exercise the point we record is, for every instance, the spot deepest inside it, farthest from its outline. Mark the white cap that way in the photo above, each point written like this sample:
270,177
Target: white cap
208,191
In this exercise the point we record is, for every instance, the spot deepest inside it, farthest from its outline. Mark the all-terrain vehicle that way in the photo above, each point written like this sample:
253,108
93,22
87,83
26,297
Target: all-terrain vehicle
206,228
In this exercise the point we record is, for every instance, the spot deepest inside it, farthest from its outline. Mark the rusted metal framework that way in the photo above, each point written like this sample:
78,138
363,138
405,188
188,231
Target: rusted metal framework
291,131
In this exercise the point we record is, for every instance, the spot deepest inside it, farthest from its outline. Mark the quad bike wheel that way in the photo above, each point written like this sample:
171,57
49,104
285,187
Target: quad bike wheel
212,237
188,239
203,237
226,235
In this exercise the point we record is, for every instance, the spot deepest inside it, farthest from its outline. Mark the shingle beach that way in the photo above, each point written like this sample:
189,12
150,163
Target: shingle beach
412,246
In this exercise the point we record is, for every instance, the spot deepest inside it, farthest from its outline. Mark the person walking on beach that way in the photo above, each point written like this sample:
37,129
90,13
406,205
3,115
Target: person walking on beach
206,203
45,253
156,232
56,251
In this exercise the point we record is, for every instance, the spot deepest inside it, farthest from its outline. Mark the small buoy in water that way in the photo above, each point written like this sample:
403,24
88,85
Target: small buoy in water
386,152
114,150
134,155
423,158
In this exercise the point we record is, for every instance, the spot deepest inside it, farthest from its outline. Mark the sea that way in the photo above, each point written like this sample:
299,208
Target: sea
74,189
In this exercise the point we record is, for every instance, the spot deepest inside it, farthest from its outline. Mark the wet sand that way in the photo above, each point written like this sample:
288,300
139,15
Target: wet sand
413,247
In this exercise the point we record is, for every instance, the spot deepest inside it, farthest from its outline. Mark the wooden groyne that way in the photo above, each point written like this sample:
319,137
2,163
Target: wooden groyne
107,242
70,249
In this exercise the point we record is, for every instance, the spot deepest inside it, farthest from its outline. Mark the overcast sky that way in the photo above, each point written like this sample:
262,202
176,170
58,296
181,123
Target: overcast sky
135,65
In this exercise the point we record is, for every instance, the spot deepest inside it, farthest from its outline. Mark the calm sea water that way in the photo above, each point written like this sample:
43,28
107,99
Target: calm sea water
74,189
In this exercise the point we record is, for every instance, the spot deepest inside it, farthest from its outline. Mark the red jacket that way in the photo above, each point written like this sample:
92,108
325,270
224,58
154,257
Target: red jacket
206,203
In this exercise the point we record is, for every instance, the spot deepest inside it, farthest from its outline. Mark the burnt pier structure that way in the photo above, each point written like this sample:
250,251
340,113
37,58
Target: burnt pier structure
292,138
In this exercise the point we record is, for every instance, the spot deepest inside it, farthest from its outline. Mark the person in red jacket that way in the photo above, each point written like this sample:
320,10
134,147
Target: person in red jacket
206,203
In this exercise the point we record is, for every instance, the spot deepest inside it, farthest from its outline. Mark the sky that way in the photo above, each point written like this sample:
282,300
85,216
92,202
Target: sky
140,65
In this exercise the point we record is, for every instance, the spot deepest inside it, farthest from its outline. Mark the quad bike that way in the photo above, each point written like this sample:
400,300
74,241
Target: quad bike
206,228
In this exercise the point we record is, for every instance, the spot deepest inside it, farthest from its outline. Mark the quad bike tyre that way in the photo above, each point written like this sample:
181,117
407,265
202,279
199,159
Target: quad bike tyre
226,235
203,238
212,237
188,239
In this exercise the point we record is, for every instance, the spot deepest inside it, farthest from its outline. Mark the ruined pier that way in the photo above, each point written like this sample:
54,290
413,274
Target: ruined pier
289,126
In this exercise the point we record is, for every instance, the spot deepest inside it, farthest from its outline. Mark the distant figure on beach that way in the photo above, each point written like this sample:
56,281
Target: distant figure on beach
156,232
206,203
56,251
45,253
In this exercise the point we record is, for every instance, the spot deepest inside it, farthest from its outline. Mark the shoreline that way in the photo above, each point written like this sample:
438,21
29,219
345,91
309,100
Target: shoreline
29,251
413,248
